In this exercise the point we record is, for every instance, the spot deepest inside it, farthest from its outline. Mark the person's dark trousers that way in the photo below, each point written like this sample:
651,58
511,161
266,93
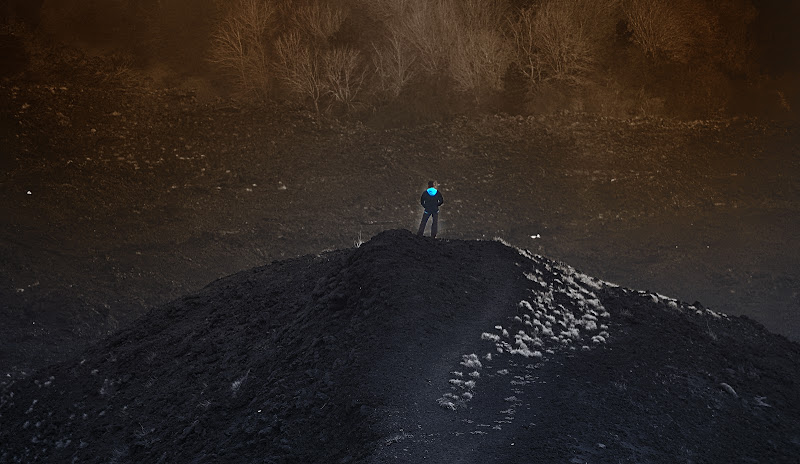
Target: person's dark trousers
434,226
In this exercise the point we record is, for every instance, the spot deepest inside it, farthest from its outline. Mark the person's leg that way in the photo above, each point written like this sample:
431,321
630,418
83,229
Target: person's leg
422,223
435,225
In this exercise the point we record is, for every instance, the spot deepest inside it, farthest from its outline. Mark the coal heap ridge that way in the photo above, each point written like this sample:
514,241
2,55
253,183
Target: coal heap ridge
408,348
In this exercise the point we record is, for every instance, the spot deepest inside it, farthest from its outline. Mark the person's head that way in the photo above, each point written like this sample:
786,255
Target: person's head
430,184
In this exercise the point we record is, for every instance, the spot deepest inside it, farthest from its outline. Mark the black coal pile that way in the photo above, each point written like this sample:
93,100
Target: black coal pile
408,349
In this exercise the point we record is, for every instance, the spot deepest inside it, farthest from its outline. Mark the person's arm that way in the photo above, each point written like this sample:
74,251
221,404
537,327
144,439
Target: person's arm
441,199
422,199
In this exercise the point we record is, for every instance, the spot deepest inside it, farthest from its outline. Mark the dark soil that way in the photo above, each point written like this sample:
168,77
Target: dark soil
363,355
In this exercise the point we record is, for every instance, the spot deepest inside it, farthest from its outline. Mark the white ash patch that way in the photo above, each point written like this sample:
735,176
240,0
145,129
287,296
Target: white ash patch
461,390
562,312
471,361
676,305
716,315
501,240
447,401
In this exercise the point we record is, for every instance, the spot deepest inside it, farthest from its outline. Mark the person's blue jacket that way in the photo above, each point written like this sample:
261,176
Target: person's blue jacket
431,200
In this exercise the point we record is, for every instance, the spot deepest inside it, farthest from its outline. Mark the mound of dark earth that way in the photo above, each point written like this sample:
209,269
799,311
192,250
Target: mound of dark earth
408,349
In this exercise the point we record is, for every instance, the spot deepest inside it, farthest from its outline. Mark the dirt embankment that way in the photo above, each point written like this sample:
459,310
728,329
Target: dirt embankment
407,349
118,199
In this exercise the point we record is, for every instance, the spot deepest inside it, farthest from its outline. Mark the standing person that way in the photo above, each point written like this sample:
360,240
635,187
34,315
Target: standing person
431,200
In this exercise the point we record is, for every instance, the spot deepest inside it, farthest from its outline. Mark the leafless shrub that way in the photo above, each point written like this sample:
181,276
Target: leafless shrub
240,44
523,36
120,70
459,40
426,25
344,75
690,31
318,20
412,44
710,40
561,39
393,63
661,27
359,241
480,53
298,67
307,65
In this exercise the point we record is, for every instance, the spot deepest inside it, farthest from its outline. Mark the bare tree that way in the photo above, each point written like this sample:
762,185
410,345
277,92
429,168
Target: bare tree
562,44
686,30
344,75
561,39
299,68
393,62
459,40
318,20
479,62
426,26
524,41
661,28
240,44
307,64
480,53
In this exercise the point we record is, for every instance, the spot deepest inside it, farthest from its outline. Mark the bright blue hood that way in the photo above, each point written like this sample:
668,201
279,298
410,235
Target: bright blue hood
431,191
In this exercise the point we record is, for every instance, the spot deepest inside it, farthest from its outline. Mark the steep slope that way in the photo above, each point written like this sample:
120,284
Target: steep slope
407,349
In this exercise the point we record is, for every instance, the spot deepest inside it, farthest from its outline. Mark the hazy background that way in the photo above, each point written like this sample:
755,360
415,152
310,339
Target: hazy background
423,59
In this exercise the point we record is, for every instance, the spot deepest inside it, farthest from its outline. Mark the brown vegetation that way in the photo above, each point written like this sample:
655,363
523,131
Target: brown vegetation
239,44
615,57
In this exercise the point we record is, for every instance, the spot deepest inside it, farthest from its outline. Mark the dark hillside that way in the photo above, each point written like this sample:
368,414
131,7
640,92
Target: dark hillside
408,349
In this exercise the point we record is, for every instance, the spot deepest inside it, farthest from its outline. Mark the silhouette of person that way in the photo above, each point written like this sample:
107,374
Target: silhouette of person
431,200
